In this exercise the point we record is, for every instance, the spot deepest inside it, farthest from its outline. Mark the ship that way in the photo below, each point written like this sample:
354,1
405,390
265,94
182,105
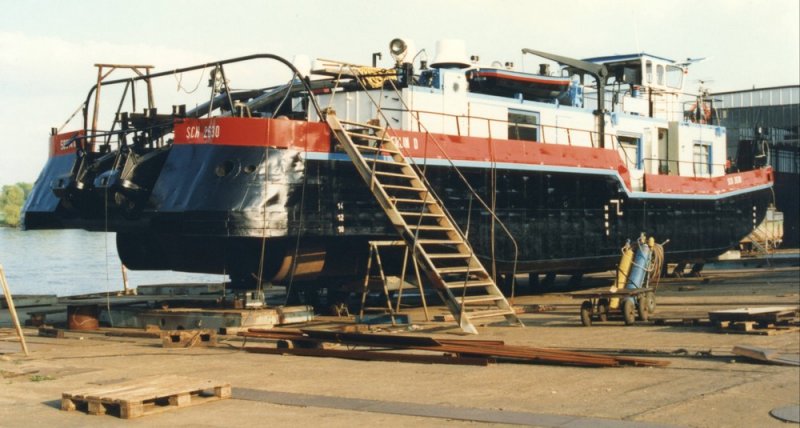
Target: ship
543,172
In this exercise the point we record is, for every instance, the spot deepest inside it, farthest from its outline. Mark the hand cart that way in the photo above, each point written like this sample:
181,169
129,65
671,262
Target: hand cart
597,304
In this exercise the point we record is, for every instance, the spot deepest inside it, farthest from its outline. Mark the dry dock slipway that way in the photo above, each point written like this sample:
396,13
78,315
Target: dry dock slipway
704,383
427,200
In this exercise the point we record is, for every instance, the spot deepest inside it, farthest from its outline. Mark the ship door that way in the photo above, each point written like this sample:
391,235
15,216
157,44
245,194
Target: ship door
663,151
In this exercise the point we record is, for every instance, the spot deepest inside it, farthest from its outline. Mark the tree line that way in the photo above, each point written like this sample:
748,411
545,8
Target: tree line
12,198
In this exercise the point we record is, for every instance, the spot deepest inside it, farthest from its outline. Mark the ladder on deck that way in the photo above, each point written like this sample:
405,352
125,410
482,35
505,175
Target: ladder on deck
439,246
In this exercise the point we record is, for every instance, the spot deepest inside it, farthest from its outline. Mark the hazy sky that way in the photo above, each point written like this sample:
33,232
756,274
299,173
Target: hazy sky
47,48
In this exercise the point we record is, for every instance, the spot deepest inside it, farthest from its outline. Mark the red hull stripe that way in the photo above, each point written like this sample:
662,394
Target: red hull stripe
673,184
315,137
238,131
58,144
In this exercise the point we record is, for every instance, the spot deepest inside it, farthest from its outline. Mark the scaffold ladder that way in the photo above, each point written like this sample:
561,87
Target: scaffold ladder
439,246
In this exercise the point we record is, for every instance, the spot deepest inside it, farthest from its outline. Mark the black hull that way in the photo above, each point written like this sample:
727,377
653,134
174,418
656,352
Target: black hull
213,219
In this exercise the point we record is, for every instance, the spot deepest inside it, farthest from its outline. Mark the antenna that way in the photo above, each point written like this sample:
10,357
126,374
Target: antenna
690,61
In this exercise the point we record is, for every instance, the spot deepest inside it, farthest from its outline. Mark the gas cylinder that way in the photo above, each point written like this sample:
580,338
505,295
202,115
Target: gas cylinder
622,272
641,262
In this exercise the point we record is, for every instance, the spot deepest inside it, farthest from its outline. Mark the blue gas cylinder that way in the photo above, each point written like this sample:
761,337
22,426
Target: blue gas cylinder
641,260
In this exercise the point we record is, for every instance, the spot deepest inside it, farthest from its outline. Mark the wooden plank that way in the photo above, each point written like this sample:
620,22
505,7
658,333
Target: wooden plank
756,353
13,311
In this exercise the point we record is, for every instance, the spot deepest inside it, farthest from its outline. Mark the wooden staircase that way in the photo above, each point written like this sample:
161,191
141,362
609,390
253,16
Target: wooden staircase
438,245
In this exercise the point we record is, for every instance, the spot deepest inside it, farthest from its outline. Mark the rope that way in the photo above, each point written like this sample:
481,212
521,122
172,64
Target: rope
260,277
105,242
657,264
180,79
299,231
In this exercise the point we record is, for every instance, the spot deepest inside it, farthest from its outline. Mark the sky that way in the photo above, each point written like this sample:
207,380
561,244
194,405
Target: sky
48,47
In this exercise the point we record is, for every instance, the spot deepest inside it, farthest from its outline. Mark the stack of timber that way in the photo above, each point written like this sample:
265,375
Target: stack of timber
381,347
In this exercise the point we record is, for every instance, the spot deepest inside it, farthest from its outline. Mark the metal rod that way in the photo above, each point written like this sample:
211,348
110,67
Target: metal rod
149,77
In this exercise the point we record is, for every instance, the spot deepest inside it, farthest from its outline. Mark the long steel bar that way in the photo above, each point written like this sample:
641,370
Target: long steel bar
489,349
373,356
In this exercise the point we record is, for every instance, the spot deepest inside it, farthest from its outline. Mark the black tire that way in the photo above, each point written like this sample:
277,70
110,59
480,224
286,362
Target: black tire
603,306
642,309
629,311
650,298
586,313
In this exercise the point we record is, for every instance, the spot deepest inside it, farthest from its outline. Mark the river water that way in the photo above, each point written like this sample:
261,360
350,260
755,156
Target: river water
69,262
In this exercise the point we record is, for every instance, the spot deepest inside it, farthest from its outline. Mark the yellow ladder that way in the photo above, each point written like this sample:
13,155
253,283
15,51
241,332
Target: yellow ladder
421,220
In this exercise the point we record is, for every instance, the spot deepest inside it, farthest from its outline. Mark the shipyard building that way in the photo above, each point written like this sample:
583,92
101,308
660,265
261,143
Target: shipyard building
763,126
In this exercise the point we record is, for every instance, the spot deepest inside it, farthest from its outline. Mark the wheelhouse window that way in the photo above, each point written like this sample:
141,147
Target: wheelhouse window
702,158
674,77
523,125
648,71
660,74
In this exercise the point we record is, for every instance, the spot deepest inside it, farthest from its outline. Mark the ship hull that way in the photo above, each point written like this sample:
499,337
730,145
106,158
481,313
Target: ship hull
264,212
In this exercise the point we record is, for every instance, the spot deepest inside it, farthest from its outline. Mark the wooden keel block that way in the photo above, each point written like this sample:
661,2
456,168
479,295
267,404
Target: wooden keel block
223,391
180,399
129,410
96,407
67,404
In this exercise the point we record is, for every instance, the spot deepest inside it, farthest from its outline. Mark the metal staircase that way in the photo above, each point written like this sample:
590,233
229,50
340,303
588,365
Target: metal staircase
439,246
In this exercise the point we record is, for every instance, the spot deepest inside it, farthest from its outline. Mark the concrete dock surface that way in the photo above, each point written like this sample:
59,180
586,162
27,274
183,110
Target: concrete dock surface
705,384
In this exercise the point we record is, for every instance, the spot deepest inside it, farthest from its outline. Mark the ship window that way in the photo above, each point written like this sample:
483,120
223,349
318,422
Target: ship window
648,71
523,125
631,150
702,158
660,74
674,77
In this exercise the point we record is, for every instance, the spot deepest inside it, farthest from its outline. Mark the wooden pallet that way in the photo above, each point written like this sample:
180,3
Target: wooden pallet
765,321
146,396
765,315
753,327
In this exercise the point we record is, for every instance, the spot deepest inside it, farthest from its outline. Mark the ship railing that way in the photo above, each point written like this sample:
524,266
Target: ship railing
90,144
545,133
699,169
554,134
422,167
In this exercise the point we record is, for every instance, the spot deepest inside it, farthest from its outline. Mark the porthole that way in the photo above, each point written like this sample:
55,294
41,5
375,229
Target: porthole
224,169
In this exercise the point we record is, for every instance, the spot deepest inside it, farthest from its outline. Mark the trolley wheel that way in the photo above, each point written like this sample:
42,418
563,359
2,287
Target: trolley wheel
603,306
629,311
586,313
642,309
650,299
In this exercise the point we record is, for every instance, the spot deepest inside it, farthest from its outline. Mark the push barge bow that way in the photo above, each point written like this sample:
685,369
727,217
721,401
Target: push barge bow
254,184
